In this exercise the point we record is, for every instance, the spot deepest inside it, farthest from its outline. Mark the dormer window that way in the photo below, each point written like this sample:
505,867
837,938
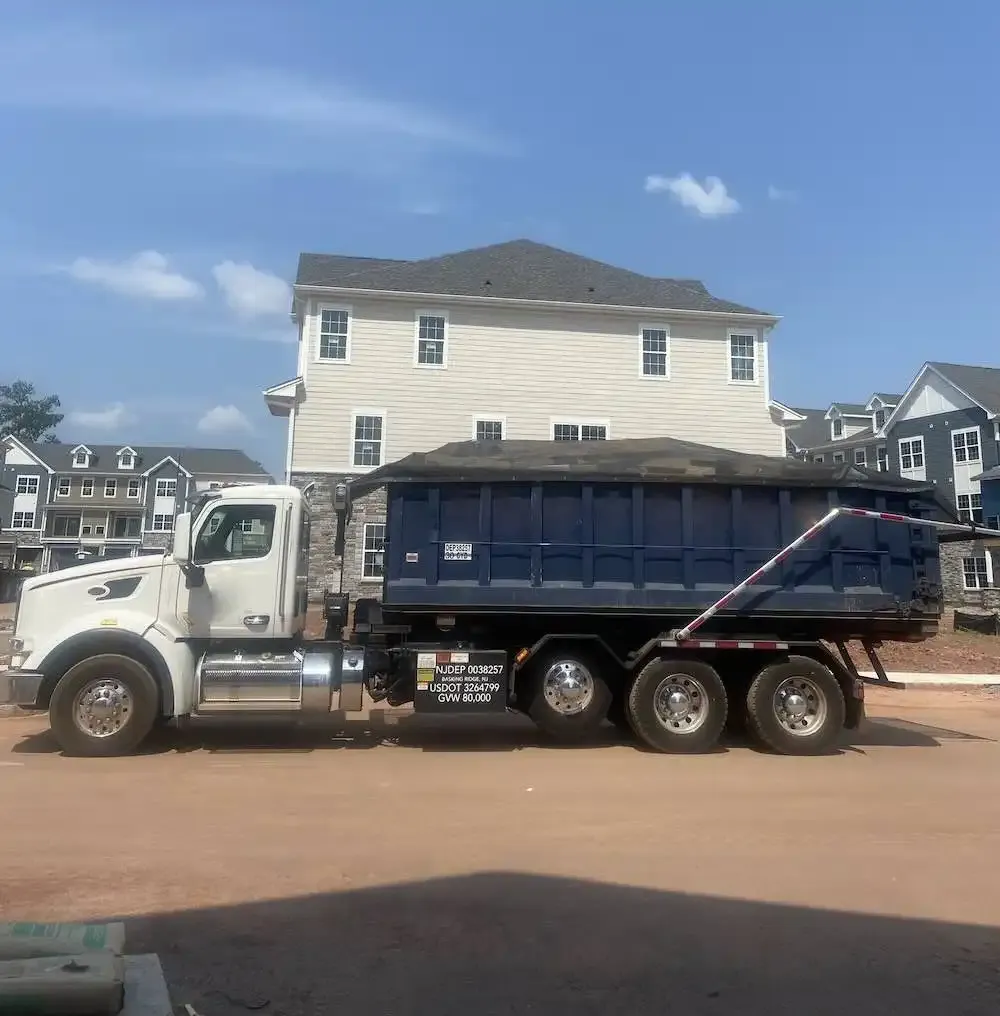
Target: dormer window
81,457
879,419
838,427
126,458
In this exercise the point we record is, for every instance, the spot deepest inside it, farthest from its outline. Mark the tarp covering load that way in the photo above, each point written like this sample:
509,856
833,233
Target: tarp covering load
660,459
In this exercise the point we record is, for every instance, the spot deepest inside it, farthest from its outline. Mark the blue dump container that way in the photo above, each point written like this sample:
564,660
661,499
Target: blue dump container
649,526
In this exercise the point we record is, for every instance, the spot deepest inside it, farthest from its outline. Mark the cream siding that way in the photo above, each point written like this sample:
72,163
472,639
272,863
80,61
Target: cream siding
529,368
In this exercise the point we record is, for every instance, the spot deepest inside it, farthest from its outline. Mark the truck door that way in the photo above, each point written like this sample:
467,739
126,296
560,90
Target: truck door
238,547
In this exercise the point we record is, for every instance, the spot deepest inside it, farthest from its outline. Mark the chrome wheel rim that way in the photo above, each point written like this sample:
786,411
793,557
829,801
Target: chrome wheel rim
680,703
568,687
102,707
800,706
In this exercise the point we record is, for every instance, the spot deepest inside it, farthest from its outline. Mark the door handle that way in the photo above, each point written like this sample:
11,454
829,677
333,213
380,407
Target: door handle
256,620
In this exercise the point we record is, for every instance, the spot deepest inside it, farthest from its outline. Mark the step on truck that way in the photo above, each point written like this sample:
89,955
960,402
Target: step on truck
667,587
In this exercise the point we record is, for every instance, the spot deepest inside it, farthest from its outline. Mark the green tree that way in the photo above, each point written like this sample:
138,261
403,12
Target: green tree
26,415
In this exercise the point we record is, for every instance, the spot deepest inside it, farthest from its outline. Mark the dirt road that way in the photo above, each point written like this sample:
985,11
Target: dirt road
465,869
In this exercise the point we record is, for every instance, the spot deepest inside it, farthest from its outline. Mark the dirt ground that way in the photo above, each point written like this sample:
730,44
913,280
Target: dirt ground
462,867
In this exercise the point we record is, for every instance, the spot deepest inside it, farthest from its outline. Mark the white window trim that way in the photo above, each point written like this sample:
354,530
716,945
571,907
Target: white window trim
77,464
979,445
355,413
838,458
659,328
730,332
318,317
371,579
138,490
28,477
923,455
85,480
416,339
863,461
164,479
487,418
114,489
834,420
69,487
989,577
882,465
576,421
817,458
161,515
19,529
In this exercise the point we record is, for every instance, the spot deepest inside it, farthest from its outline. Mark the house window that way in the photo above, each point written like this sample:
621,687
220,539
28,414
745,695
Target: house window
134,487
126,527
965,445
87,487
882,455
23,520
860,457
742,357
817,458
431,330
126,460
81,459
86,530
26,485
654,352
110,488
838,427
489,430
373,552
334,332
579,432
838,456
970,507
368,440
911,454
166,488
66,525
62,486
879,419
974,573
163,523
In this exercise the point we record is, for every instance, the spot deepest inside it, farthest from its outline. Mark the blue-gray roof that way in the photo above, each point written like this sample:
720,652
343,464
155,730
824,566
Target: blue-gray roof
199,461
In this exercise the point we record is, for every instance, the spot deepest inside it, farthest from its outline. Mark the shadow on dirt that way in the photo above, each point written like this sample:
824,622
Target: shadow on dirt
497,943
458,734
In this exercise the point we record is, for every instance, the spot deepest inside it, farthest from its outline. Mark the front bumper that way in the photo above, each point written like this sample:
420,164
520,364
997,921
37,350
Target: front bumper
21,688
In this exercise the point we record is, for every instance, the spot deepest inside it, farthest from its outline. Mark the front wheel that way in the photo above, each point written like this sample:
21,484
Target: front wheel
678,705
568,699
103,706
796,707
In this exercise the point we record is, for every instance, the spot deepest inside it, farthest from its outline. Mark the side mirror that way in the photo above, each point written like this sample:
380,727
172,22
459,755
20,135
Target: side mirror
182,539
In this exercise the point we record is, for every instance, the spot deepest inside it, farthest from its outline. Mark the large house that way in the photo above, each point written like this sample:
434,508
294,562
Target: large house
945,429
65,502
514,340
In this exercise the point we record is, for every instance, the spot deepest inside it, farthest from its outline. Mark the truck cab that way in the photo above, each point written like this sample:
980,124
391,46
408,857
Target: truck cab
215,626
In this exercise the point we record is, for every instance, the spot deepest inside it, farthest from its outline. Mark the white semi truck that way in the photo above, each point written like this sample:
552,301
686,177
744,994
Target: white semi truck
561,596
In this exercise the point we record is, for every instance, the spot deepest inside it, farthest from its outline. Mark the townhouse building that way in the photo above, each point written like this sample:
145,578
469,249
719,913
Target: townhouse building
517,340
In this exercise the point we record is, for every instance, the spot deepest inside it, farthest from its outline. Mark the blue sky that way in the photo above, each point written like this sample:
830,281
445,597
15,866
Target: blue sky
161,167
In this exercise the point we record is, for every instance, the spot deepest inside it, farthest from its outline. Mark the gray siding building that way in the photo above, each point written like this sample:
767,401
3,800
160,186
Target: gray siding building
66,503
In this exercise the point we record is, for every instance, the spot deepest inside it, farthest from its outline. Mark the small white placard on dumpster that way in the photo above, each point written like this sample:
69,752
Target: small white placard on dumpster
458,551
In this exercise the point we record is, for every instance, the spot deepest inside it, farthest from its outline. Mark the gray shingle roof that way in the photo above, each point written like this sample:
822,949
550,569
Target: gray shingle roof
519,270
982,384
200,461
812,431
865,436
851,408
887,398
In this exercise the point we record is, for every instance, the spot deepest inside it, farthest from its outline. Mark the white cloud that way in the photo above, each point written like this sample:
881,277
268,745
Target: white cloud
779,194
424,208
251,292
224,419
111,418
710,200
122,75
146,274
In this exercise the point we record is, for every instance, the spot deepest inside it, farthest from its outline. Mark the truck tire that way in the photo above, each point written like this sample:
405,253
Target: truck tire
678,705
103,706
796,707
569,698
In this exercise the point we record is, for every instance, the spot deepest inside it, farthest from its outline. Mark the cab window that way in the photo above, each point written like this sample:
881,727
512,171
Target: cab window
236,532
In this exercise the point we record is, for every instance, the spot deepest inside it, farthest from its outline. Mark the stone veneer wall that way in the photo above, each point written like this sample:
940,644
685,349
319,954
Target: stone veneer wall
955,593
324,563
